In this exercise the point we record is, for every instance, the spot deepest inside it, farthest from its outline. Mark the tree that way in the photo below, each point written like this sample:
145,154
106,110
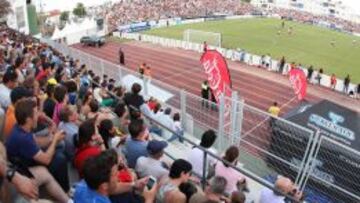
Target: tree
246,1
79,10
5,8
64,16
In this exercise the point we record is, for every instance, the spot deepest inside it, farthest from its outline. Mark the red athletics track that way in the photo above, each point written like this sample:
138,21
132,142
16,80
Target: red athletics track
182,69
177,69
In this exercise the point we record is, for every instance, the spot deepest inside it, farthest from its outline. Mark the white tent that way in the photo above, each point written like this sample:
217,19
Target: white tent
74,31
56,34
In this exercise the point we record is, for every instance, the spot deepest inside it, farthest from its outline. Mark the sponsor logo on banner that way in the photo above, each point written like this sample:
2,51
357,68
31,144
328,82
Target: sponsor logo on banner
298,82
333,125
218,77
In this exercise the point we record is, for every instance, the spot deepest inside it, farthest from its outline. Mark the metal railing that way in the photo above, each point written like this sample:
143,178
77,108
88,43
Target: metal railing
269,146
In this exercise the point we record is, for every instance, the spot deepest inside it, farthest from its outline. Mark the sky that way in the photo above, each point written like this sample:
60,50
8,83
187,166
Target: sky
62,5
354,4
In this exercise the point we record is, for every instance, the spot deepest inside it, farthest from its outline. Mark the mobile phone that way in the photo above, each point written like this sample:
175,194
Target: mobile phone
151,182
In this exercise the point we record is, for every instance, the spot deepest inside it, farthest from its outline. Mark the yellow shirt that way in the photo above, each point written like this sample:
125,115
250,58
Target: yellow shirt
274,110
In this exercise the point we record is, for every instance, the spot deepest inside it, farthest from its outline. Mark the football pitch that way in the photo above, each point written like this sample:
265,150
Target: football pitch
333,51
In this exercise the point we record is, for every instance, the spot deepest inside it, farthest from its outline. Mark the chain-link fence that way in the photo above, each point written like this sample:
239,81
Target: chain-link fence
334,173
270,145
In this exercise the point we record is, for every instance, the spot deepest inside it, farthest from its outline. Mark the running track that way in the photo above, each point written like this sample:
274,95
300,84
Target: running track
177,69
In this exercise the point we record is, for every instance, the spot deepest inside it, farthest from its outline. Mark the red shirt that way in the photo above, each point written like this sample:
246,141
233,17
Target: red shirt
333,80
152,105
41,75
125,176
82,154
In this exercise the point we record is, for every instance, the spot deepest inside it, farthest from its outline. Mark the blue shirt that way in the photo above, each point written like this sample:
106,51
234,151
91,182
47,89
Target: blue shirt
71,130
133,150
84,194
21,146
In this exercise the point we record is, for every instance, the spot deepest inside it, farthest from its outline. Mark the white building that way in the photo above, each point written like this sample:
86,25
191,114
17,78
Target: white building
18,19
319,7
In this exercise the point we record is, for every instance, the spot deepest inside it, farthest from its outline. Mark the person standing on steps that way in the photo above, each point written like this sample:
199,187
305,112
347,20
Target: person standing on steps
205,90
310,73
121,57
205,46
346,84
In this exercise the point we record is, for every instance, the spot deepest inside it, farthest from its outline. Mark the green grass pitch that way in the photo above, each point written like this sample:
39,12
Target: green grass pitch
308,45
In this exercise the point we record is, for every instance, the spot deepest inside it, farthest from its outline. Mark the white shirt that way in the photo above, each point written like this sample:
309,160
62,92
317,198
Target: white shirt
97,95
177,126
4,96
166,120
196,158
268,196
147,166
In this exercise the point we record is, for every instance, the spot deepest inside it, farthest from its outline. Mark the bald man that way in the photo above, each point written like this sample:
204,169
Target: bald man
284,186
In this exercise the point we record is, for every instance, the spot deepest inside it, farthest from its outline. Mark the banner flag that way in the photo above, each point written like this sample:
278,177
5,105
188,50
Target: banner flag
298,82
218,76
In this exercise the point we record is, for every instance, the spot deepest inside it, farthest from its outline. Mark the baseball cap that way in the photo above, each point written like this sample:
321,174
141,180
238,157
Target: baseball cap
52,81
156,146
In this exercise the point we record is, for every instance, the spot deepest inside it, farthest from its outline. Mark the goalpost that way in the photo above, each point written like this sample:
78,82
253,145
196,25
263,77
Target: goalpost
198,36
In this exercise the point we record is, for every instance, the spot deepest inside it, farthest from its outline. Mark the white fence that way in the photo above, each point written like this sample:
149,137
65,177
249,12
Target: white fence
234,55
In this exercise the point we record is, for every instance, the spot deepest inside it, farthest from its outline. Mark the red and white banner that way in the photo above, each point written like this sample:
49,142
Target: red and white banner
218,76
298,82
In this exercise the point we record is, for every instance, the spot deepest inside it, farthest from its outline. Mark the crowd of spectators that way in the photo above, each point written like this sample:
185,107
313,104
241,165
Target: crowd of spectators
125,12
307,17
60,116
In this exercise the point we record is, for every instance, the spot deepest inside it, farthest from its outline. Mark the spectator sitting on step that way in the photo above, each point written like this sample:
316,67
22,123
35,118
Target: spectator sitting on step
166,122
16,95
136,143
189,189
89,144
69,124
152,165
9,82
283,186
178,129
214,192
232,176
196,155
180,172
61,98
24,152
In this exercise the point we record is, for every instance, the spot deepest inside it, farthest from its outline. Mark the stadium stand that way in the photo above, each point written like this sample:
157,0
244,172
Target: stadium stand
126,12
100,132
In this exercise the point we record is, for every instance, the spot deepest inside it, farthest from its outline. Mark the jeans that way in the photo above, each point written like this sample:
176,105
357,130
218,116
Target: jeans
58,168
156,130
178,135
